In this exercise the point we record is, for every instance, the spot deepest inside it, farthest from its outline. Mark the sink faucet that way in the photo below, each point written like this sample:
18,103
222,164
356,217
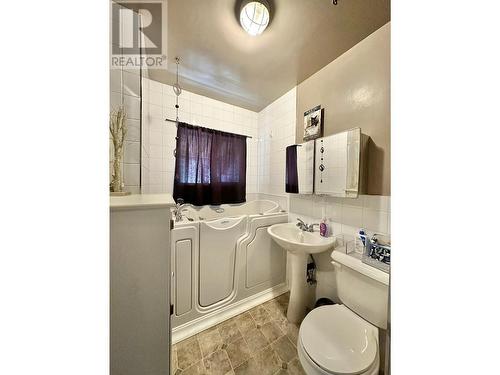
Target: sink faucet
305,227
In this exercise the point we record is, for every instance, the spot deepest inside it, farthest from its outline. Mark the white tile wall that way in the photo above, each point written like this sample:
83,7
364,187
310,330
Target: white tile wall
125,90
276,131
159,144
272,130
346,216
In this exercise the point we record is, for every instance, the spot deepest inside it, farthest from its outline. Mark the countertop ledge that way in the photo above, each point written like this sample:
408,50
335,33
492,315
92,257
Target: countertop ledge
136,201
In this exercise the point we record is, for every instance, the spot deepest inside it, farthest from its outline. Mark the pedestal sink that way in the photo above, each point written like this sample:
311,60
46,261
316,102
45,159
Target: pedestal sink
299,245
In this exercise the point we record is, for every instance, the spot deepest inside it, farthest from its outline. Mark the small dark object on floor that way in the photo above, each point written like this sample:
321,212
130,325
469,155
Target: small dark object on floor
324,302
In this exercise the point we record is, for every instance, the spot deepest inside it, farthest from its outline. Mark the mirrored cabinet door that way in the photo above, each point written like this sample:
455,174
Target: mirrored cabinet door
338,164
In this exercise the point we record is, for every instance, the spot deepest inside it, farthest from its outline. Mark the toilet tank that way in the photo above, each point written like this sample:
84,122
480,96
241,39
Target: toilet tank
362,288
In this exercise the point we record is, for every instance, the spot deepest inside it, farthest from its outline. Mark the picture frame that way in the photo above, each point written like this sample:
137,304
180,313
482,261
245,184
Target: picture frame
313,123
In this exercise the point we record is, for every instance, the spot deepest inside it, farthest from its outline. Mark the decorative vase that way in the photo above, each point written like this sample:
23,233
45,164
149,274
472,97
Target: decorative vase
118,130
117,181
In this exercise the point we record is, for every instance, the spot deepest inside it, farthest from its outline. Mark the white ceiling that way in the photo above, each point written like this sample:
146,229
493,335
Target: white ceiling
221,61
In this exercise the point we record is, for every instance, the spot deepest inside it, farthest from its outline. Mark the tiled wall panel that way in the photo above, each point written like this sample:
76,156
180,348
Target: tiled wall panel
276,131
159,145
125,91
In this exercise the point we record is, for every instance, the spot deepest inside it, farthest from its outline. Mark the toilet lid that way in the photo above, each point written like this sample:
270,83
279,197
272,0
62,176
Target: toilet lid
338,340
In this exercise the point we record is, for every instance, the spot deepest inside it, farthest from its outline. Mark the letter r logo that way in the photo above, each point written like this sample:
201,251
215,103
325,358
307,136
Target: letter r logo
136,28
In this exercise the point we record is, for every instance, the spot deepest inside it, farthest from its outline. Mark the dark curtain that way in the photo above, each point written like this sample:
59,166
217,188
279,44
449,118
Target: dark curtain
210,166
291,177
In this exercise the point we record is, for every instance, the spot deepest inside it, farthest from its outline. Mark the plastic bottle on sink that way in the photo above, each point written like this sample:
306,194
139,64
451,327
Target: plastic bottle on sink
324,226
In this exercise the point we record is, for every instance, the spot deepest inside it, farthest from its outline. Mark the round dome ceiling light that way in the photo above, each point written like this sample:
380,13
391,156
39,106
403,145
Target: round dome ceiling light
254,16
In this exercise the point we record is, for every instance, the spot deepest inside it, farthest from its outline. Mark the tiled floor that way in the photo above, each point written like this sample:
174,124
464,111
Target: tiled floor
260,341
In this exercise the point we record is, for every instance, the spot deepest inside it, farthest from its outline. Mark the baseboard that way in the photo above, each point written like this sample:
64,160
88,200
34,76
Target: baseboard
218,316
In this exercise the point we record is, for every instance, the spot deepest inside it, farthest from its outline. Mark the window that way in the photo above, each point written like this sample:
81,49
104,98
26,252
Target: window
210,166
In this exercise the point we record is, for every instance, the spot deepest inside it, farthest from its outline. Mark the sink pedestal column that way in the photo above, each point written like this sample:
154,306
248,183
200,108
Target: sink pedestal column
297,304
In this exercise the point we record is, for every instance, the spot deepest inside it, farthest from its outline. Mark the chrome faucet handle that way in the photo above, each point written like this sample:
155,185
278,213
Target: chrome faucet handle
310,227
300,224
374,238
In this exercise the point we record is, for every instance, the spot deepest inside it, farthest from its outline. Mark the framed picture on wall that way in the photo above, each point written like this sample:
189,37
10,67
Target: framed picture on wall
313,123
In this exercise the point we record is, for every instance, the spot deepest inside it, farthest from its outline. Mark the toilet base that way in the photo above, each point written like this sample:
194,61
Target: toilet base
312,368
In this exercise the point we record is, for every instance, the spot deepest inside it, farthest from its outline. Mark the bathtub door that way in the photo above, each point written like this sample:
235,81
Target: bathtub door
184,246
265,259
217,264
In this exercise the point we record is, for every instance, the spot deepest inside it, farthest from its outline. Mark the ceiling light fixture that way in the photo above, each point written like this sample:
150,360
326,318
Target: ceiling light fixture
254,16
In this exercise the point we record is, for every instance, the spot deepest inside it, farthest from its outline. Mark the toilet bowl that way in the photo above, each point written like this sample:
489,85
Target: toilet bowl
334,340
343,339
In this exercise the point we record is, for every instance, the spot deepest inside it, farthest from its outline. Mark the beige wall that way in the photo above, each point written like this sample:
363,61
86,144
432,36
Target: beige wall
354,89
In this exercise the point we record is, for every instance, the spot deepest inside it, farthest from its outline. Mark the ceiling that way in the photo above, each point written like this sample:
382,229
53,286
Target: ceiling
221,61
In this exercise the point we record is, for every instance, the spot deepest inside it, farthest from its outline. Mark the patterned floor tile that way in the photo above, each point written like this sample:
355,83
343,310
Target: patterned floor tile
210,341
275,310
271,331
255,340
188,353
238,352
197,369
284,348
245,322
173,358
229,331
289,329
260,315
265,362
217,363
283,300
295,368
260,341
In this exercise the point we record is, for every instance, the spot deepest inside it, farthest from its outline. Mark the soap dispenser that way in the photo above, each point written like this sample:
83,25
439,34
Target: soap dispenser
324,226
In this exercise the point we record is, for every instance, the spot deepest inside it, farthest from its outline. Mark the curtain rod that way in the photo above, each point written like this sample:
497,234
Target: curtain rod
175,121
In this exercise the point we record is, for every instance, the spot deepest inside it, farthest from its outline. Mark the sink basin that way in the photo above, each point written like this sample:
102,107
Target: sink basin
293,239
299,245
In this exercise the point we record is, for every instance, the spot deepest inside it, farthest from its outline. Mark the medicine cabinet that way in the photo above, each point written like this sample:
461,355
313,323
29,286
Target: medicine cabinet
339,164
332,165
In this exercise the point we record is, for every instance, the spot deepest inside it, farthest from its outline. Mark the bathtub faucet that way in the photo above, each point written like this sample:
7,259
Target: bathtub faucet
179,206
305,227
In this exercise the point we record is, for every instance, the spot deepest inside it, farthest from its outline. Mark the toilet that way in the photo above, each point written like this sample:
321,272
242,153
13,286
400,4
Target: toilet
343,339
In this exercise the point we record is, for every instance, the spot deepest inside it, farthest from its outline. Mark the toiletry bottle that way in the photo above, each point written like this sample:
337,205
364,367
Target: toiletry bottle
362,236
324,227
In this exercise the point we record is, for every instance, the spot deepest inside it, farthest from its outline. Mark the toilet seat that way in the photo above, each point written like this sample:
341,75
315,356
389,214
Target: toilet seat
338,341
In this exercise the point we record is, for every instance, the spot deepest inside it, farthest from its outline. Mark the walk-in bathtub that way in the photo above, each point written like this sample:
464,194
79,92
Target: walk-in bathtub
224,262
